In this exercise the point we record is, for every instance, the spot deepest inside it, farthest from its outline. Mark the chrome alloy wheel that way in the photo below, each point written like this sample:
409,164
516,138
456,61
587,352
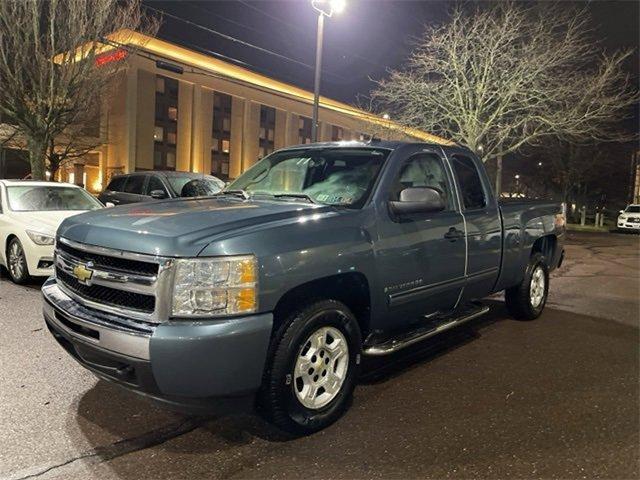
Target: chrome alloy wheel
321,367
537,287
17,262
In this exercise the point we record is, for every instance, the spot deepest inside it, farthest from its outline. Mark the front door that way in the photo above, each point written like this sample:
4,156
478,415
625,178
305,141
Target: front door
421,257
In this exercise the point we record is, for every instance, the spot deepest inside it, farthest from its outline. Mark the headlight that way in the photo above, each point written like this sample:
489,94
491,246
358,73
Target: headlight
40,238
215,286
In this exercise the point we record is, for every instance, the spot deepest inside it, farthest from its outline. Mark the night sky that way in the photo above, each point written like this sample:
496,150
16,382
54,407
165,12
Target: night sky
366,39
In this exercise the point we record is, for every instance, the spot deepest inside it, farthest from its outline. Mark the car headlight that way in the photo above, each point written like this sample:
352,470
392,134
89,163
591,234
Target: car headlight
215,286
40,238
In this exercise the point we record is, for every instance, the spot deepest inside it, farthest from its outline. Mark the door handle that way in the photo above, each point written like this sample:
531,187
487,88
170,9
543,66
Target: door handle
453,234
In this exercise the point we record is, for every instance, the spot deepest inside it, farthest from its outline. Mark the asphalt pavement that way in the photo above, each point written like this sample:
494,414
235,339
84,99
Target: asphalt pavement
557,397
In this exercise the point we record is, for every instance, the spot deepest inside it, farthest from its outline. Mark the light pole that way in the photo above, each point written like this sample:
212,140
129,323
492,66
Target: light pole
325,8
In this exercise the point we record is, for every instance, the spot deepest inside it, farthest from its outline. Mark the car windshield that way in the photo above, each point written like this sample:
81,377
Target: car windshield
32,198
633,209
188,186
338,176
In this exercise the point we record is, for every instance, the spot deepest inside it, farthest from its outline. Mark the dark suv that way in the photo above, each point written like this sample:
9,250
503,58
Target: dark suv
145,186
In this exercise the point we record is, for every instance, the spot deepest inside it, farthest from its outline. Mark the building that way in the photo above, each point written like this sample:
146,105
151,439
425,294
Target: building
178,109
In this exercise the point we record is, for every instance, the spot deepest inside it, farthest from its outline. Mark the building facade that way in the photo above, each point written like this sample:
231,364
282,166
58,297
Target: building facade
177,109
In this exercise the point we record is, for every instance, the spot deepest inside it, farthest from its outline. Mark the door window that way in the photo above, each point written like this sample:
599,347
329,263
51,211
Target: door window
423,170
155,184
471,189
134,184
117,184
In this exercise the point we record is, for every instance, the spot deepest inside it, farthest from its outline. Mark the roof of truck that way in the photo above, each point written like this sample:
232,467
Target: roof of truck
389,144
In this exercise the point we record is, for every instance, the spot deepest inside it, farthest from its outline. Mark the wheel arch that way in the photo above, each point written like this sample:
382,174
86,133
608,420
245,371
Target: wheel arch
350,288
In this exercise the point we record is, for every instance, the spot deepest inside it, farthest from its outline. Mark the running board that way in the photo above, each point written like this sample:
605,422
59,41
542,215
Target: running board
422,333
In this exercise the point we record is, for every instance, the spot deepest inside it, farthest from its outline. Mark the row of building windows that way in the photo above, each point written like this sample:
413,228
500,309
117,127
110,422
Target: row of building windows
165,134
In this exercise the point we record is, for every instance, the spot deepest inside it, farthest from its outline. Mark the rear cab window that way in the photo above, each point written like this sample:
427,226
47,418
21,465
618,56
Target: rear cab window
472,192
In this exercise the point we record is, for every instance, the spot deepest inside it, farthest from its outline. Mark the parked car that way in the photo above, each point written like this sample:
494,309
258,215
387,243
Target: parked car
30,213
629,219
156,185
273,290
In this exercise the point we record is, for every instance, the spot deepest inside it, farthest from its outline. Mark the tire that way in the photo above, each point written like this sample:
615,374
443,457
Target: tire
17,262
524,301
298,361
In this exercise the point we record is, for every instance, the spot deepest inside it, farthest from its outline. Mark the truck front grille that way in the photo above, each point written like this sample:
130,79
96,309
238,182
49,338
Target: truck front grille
111,263
106,295
127,284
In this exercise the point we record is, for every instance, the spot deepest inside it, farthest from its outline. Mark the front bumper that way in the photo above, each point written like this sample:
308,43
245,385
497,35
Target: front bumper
203,366
624,225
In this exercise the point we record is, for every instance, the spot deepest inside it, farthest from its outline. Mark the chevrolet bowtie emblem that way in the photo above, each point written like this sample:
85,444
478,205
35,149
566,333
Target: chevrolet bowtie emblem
82,273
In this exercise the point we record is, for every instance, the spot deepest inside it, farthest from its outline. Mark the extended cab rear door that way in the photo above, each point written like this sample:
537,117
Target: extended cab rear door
482,221
420,257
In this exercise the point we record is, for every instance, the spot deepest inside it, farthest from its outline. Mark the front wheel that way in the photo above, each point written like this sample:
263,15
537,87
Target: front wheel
527,300
17,262
312,368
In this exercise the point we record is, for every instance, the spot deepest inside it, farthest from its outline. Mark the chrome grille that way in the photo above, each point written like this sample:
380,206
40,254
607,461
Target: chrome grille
106,295
110,263
123,283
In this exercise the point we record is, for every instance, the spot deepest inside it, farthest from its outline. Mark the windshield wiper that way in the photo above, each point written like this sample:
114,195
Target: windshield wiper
237,193
302,196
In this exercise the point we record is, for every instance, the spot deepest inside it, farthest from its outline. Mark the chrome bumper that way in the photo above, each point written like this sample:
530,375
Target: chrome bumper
97,329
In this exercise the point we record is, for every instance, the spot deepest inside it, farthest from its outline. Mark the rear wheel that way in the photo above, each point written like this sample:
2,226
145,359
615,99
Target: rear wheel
312,368
17,262
526,301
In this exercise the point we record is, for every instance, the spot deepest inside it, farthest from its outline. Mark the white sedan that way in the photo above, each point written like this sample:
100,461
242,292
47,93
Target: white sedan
629,218
30,213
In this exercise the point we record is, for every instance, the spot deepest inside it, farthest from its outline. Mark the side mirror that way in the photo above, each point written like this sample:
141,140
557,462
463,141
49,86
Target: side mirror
417,200
158,194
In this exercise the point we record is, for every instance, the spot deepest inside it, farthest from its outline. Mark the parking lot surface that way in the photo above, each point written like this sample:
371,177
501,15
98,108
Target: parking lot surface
497,398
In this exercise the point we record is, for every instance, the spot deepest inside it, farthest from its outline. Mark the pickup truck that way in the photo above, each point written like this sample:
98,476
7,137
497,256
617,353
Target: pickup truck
268,294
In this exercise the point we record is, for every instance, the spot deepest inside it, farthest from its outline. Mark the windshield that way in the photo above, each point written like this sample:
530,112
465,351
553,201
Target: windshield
341,176
32,198
185,186
633,209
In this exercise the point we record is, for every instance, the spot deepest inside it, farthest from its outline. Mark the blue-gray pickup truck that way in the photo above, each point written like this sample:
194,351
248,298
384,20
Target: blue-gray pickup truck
267,295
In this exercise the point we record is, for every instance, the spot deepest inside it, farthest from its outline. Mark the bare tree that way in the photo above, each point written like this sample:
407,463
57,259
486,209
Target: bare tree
55,66
498,78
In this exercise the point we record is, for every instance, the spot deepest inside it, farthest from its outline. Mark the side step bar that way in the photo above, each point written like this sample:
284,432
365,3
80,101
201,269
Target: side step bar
415,336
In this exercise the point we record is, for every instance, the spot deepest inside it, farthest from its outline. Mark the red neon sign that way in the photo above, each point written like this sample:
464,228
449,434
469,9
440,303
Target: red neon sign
114,56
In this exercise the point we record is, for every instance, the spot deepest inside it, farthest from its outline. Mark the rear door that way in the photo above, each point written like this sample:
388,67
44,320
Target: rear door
421,257
483,226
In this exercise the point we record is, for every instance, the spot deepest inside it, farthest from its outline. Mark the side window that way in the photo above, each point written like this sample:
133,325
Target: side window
116,184
155,184
473,195
134,184
423,170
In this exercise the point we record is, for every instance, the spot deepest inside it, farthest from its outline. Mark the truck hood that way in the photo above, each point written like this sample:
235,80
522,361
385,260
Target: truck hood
180,227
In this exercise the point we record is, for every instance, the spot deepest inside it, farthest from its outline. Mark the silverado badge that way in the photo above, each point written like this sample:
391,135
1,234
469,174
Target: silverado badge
82,273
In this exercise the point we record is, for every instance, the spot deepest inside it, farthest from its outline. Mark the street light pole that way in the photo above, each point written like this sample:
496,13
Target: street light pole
316,82
325,8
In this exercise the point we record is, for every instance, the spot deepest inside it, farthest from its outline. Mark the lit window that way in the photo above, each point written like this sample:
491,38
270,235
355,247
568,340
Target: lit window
225,146
300,123
214,145
159,85
171,138
226,124
270,135
263,133
173,113
158,134
224,168
171,160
